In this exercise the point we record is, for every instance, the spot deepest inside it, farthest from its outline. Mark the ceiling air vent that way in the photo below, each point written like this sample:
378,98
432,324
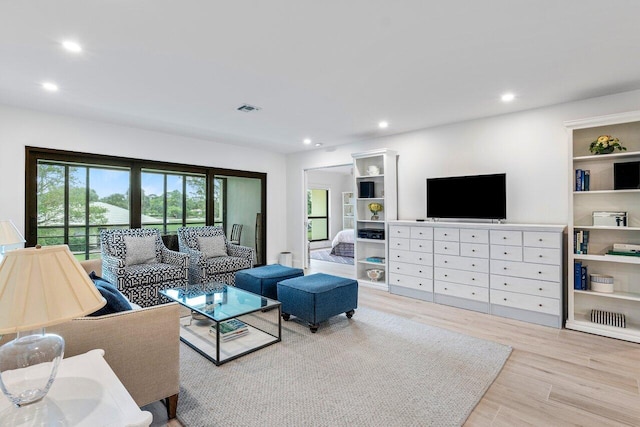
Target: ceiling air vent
248,108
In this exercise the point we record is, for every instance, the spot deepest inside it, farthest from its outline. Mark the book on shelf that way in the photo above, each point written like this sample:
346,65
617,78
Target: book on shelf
581,242
230,329
584,285
582,179
377,259
611,252
577,275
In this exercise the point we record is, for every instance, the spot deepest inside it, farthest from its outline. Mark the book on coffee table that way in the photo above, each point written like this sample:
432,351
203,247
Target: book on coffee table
230,329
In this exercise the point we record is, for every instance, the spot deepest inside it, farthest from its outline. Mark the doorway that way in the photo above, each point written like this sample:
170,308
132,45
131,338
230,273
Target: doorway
328,219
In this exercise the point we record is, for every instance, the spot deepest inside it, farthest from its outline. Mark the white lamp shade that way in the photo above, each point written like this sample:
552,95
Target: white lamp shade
44,286
9,234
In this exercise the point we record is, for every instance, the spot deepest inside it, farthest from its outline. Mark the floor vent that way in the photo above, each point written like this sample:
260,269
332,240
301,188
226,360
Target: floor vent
608,318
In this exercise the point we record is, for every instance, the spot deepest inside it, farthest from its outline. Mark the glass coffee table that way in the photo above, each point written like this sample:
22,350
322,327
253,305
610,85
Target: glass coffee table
216,310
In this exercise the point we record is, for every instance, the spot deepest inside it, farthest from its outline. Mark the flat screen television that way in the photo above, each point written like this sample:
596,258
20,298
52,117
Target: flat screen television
467,197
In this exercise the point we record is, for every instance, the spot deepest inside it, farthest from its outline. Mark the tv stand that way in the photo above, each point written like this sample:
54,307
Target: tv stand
508,270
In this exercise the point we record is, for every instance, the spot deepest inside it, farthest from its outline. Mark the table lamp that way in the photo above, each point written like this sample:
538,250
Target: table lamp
39,287
9,235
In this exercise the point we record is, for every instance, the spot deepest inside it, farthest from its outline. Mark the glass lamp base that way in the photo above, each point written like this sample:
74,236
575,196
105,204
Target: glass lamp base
28,366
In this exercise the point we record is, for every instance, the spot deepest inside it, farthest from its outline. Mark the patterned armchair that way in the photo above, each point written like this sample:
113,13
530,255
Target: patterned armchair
139,264
211,257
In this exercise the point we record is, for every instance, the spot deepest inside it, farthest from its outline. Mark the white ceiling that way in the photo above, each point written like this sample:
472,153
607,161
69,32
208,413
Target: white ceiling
327,70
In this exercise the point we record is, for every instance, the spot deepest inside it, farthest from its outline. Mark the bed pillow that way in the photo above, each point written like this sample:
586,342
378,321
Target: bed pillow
116,302
140,250
212,246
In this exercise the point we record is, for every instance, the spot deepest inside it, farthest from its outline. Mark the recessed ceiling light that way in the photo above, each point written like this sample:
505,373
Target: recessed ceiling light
51,87
72,46
508,97
383,125
307,141
318,144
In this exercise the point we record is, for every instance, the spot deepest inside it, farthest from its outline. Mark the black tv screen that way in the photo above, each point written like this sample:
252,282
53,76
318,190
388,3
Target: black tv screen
468,197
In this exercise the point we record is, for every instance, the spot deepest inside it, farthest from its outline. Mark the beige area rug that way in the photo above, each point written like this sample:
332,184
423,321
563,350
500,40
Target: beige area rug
372,370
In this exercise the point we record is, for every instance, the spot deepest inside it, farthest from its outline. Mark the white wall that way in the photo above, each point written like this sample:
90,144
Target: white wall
531,147
21,127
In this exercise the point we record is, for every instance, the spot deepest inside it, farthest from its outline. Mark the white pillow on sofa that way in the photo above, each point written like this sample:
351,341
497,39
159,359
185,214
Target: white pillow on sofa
212,246
140,250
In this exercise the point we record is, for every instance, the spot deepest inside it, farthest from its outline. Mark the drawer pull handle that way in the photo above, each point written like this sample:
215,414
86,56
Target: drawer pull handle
539,272
473,278
539,256
473,250
419,284
539,240
473,235
397,268
504,238
473,265
445,275
445,234
505,283
505,253
504,268
445,248
446,289
504,299
419,271
420,259
397,256
419,246
539,289
473,293
446,262
539,305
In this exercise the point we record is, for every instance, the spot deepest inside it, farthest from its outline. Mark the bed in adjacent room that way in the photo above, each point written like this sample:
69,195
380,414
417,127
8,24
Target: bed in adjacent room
342,244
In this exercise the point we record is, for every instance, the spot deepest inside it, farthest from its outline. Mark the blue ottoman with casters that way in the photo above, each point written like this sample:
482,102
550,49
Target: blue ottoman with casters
317,297
263,280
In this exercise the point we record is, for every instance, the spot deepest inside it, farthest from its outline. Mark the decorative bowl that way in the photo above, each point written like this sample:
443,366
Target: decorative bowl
375,274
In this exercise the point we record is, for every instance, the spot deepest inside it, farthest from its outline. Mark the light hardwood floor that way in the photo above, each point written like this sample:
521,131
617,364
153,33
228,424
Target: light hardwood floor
552,378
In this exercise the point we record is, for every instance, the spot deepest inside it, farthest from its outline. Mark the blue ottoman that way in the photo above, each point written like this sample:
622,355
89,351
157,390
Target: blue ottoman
317,297
263,280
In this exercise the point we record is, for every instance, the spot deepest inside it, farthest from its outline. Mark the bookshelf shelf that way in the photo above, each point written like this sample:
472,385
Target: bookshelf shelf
602,196
375,178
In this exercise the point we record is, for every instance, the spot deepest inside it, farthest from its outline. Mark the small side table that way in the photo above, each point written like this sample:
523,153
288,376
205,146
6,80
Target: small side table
86,392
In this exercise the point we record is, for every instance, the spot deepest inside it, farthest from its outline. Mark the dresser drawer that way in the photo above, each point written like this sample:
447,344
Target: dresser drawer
449,248
474,236
461,291
425,271
525,302
543,239
503,237
462,263
399,243
461,276
446,234
540,288
421,245
399,231
547,272
411,257
422,233
508,253
478,250
542,255
412,282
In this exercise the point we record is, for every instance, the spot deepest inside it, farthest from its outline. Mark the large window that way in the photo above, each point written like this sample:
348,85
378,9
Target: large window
71,196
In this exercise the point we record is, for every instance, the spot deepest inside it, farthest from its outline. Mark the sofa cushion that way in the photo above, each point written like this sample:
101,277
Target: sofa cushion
212,246
116,302
140,250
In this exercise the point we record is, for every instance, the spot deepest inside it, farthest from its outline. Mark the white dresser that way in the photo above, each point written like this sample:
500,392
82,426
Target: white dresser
509,270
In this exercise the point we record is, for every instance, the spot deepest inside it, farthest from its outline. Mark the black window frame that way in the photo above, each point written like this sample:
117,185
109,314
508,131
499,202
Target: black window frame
35,154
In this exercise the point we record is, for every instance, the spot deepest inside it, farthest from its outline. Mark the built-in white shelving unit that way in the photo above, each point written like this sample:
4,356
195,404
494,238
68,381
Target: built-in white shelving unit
375,175
602,196
348,217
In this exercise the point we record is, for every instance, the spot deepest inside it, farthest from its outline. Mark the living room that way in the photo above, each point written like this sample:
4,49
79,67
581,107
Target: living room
527,139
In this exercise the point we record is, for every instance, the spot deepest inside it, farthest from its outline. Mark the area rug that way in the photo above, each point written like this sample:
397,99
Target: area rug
372,370
325,255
